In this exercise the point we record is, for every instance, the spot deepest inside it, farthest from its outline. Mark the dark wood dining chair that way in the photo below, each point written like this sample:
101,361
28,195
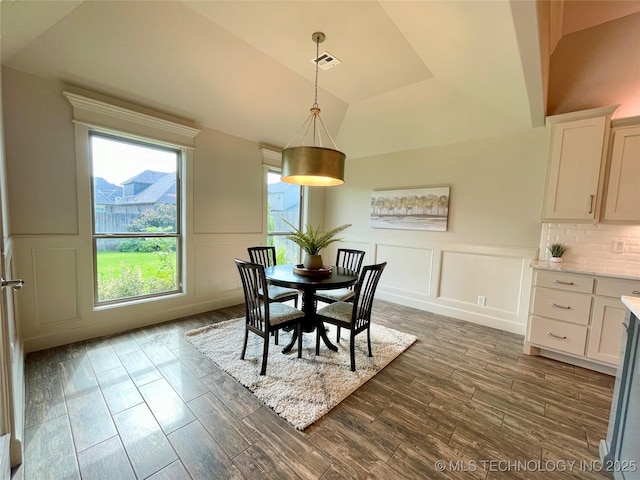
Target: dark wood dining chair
347,258
262,316
356,315
266,256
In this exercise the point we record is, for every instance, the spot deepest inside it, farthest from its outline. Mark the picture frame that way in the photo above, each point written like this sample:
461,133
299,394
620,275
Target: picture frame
425,208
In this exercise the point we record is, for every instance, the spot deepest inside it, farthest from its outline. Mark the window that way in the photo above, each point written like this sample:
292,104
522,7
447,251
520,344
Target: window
136,218
284,202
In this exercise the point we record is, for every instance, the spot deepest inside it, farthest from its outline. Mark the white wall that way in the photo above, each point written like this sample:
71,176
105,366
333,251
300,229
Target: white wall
224,183
493,233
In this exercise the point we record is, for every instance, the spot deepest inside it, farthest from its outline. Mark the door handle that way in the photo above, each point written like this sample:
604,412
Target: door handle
15,284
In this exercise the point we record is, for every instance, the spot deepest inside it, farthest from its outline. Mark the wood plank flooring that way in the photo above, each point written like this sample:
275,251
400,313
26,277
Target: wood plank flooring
145,404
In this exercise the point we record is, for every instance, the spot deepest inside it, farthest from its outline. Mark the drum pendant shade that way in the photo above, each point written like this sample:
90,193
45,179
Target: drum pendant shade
314,166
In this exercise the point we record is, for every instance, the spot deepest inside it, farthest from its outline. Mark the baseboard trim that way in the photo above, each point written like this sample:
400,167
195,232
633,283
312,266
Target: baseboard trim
447,311
99,329
579,362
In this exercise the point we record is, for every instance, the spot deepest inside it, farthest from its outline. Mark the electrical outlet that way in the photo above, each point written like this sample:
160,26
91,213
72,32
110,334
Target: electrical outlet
482,300
618,246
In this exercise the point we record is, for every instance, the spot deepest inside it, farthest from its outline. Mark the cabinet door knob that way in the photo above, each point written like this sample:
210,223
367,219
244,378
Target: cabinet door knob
561,337
560,306
635,292
563,283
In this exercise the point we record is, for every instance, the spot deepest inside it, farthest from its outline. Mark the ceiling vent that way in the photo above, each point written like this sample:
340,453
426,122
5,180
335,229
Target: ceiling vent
326,61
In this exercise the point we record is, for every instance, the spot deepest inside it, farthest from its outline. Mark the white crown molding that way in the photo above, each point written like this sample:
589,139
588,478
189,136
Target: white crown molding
581,115
271,156
626,122
120,113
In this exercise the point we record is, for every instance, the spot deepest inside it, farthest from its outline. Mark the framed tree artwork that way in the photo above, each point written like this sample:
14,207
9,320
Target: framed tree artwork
411,208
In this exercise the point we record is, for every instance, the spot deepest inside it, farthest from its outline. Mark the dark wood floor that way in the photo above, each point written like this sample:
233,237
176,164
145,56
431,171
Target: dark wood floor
145,404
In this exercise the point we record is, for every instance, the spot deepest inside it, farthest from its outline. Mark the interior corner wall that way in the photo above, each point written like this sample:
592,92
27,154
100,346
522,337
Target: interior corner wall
493,230
42,187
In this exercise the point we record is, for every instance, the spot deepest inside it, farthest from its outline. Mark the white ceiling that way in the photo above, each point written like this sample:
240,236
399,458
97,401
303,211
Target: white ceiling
413,74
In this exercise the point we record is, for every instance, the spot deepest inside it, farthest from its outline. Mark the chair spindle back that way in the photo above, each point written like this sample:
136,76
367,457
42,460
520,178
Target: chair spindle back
265,256
254,284
364,293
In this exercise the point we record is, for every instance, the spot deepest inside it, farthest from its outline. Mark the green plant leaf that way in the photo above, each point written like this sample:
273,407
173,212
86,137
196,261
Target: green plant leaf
557,249
315,239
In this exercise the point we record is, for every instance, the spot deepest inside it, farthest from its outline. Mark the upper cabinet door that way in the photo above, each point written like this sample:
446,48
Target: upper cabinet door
575,171
623,190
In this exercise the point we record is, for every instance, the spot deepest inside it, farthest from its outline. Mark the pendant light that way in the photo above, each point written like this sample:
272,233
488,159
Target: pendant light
313,165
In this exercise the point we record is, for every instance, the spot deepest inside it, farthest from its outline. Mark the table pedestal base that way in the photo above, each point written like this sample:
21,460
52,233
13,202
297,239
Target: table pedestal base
323,335
310,323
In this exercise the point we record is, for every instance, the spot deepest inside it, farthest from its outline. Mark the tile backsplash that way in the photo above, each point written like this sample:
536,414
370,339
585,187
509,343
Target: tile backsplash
593,244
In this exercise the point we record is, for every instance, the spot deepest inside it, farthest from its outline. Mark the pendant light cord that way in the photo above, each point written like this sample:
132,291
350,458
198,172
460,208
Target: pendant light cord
314,123
315,102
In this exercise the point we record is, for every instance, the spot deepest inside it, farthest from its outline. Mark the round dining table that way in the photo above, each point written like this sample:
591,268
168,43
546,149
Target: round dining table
285,276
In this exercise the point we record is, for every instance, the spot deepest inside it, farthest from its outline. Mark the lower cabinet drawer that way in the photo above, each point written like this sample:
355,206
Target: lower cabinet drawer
561,336
617,287
560,305
564,281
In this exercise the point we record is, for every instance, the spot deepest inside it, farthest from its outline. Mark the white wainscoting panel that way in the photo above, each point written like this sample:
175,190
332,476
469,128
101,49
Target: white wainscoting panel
447,278
56,285
465,276
408,271
215,270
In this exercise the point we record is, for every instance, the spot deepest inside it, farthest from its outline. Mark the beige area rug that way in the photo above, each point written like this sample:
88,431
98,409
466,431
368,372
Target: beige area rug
300,390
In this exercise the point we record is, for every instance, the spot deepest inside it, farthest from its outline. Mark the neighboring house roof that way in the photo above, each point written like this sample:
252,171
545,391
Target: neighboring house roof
148,176
162,191
105,192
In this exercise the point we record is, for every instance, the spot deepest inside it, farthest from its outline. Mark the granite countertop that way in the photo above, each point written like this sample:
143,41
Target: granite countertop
615,272
633,304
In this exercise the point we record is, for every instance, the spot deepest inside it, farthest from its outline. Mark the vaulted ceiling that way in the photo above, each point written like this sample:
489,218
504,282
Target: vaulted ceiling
412,74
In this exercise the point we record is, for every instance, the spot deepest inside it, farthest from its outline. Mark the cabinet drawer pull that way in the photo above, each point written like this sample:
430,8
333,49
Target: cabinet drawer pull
561,337
635,292
560,306
590,203
563,283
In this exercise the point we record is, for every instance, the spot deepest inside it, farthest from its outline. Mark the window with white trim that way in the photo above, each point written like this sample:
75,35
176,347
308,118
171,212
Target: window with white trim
284,202
136,200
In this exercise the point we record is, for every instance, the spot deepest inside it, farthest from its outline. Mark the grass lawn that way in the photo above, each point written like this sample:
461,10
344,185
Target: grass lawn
149,263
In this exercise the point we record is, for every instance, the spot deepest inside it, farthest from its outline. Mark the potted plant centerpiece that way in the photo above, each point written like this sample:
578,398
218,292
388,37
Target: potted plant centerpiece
312,241
557,250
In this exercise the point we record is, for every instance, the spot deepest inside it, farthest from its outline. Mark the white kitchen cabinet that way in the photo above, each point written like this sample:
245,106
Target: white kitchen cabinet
606,330
577,161
622,204
607,318
578,315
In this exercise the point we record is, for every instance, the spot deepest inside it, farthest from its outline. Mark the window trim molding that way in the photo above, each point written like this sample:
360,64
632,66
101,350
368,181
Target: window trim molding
112,118
271,156
108,117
